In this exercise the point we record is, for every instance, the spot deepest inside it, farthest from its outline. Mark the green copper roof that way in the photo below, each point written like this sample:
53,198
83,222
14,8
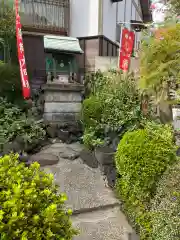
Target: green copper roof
61,43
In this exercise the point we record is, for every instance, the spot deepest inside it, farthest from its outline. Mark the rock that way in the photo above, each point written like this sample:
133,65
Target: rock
32,147
75,129
23,158
45,142
133,236
44,159
62,125
89,158
178,152
73,138
110,172
111,177
63,135
12,147
52,131
104,155
69,154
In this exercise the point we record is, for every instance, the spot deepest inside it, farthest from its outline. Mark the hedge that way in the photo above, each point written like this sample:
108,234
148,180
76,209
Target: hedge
142,157
165,210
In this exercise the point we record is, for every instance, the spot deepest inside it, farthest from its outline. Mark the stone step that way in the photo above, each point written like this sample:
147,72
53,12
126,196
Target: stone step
83,185
96,211
109,224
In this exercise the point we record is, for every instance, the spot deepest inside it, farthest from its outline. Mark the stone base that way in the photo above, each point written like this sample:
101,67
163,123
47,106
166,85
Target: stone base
62,109
61,117
62,102
66,132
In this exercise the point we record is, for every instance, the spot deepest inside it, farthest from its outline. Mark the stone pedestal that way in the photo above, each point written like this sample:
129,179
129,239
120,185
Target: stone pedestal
62,102
62,107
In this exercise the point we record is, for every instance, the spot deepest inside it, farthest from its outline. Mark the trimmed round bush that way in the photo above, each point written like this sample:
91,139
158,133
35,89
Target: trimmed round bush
166,206
31,207
91,111
142,157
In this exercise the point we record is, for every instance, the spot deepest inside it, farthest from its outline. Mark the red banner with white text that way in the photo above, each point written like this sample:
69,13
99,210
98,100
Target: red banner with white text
21,56
127,44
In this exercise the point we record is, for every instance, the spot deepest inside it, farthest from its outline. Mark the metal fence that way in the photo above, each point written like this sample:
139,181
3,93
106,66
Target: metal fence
41,14
45,14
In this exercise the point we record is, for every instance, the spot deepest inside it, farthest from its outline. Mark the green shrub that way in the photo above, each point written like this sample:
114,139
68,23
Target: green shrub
31,207
142,157
10,83
121,102
114,104
91,112
14,123
91,138
94,82
165,209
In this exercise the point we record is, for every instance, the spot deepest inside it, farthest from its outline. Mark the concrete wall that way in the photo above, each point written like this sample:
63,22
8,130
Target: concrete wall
106,63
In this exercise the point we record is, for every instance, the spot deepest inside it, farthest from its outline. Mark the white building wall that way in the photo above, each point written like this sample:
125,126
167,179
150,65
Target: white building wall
128,9
109,19
84,18
114,13
121,13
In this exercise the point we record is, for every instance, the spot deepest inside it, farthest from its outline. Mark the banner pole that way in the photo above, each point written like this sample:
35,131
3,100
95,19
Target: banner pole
120,47
21,55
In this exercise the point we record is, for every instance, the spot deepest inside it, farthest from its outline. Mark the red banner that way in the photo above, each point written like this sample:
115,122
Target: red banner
127,43
21,56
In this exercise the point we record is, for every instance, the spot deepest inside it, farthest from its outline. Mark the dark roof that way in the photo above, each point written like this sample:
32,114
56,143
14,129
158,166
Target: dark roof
145,5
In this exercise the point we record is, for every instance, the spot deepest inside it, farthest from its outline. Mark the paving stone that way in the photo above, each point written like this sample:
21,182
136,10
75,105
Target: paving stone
44,159
76,146
69,154
55,149
96,210
84,186
107,224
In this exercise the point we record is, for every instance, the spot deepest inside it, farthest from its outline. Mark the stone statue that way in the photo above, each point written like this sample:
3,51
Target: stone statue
49,77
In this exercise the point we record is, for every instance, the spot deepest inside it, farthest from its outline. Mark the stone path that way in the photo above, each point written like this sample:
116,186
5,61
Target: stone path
96,210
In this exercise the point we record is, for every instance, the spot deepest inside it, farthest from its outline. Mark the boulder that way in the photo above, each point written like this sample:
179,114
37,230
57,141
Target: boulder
52,130
44,159
63,135
104,155
14,146
88,158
